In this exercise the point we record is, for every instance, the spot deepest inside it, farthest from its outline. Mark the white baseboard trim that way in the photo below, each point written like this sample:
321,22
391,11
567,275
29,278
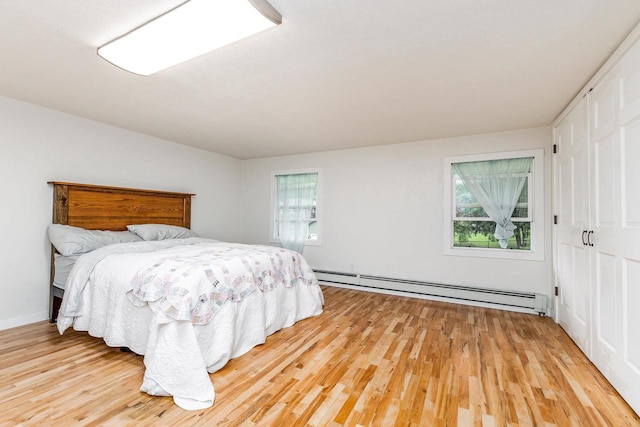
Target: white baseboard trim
14,322
427,297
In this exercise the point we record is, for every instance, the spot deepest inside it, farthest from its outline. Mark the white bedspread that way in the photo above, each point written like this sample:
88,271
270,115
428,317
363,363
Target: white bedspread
229,298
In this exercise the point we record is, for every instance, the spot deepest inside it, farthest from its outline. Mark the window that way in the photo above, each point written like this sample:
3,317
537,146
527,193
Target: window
295,210
494,205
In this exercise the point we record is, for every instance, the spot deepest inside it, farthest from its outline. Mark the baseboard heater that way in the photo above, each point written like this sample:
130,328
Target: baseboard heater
524,300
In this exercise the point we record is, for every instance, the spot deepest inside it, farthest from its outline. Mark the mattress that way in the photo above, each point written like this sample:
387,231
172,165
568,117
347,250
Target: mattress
62,267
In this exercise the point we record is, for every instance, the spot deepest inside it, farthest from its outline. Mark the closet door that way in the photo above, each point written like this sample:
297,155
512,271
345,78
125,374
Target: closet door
572,207
615,136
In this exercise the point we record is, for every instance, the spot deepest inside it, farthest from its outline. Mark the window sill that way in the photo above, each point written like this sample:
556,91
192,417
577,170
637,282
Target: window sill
514,254
306,243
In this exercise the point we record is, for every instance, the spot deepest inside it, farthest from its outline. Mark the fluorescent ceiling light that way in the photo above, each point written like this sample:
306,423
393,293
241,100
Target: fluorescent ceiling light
191,29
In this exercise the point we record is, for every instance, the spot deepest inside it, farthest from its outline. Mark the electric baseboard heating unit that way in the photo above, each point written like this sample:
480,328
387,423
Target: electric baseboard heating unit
534,302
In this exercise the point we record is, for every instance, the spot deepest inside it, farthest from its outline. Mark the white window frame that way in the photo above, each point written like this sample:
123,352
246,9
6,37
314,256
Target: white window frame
536,212
272,217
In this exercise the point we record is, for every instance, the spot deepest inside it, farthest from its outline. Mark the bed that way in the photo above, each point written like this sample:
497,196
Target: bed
188,304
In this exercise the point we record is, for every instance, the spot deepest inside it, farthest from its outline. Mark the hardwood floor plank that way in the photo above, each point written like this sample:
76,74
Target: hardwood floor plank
368,360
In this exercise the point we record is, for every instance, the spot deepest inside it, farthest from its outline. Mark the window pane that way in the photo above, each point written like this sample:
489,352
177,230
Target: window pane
522,207
479,234
313,230
468,207
291,207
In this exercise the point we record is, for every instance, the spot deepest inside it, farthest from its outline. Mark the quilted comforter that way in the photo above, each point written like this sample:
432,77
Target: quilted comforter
187,305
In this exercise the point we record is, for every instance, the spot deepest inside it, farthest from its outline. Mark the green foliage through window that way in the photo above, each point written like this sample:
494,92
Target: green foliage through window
479,234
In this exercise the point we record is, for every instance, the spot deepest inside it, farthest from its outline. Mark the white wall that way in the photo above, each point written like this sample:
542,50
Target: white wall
383,211
39,145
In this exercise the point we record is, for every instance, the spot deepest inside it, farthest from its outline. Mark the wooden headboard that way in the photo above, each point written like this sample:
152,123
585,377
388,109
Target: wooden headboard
98,207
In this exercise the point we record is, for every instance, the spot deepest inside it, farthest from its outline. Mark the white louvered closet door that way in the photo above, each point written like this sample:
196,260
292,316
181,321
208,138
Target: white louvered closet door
572,202
615,214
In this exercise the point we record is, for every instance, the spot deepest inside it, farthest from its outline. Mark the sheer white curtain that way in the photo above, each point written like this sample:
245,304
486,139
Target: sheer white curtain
496,185
296,194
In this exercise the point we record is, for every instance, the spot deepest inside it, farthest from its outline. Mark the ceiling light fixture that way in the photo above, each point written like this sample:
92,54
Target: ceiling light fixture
191,29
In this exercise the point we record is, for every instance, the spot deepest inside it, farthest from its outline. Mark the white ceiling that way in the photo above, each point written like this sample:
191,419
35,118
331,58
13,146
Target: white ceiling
336,74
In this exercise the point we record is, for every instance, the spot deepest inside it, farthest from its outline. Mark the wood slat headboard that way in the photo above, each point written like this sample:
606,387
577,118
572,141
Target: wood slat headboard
98,207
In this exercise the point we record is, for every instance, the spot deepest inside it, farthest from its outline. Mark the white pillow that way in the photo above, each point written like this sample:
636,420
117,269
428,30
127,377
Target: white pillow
69,240
160,231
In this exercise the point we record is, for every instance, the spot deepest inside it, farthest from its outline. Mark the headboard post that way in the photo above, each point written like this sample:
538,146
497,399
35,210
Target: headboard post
60,203
187,212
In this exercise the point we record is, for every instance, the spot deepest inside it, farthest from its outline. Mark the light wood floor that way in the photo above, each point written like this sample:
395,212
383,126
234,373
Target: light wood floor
369,359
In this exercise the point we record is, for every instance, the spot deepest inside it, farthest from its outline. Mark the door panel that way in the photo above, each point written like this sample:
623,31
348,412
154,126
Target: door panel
630,87
630,139
572,201
604,182
617,228
603,109
606,312
574,298
631,296
627,364
605,213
